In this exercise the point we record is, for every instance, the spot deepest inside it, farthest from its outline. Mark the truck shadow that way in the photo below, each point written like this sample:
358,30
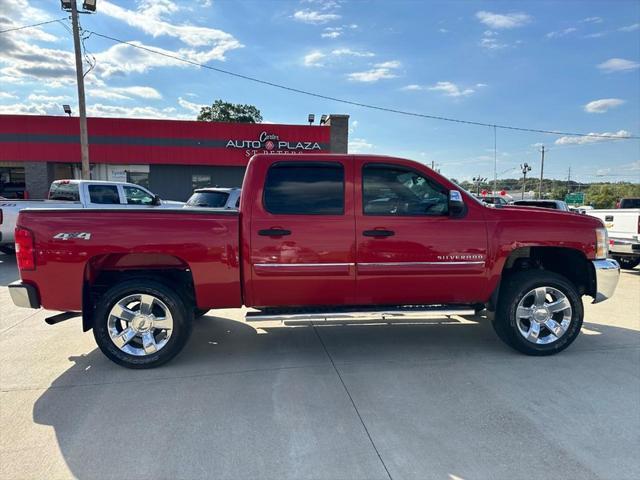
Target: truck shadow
8,269
232,387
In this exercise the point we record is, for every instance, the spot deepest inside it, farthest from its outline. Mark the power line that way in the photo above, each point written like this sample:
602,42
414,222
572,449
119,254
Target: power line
15,29
350,102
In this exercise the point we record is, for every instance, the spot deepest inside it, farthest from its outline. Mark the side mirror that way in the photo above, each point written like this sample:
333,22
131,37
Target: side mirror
156,200
456,204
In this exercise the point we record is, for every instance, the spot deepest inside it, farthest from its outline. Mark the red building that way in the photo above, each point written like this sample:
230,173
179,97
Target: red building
171,157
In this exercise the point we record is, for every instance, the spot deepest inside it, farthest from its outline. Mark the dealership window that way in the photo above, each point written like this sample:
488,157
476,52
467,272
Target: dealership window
305,188
137,196
12,182
393,190
139,178
104,194
200,181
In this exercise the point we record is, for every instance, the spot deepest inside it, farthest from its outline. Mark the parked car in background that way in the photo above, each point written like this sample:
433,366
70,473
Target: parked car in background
623,226
317,239
215,197
552,204
496,200
628,203
93,194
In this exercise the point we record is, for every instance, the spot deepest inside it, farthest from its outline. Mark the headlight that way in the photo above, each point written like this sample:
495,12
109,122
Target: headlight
602,243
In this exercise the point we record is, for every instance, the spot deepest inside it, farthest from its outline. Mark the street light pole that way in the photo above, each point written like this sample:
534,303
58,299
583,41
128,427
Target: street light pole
541,173
525,168
84,137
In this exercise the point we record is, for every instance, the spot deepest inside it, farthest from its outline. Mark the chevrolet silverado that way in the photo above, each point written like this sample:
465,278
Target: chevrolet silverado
317,239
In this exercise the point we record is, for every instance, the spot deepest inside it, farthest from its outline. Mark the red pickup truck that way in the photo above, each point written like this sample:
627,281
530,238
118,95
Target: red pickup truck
317,238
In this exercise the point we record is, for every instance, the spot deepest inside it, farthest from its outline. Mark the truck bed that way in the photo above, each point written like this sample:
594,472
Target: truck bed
203,243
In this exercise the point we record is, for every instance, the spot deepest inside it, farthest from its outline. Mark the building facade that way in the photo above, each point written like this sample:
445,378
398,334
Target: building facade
170,157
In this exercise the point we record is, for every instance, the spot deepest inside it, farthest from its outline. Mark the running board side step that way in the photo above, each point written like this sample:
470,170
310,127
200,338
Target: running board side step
398,314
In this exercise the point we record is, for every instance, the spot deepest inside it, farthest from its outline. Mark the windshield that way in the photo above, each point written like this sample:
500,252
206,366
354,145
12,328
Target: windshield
630,203
208,199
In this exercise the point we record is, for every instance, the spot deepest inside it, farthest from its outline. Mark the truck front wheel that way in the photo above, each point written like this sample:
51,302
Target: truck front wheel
141,323
538,313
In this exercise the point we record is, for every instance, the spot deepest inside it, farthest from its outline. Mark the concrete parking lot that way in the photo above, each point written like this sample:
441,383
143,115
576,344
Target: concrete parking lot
442,400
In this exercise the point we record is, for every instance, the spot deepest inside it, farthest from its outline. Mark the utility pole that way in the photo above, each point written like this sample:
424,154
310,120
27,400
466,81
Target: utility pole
541,173
84,136
569,180
525,168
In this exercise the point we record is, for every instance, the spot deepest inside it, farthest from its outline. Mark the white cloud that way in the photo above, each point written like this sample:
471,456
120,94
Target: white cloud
331,33
314,59
23,108
591,20
443,30
189,106
451,89
7,95
314,17
592,138
352,53
595,35
412,87
561,33
357,145
503,21
490,41
630,28
101,90
618,65
48,98
101,110
148,18
602,105
380,71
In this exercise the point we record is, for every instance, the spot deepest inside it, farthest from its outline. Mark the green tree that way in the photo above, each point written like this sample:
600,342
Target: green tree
221,111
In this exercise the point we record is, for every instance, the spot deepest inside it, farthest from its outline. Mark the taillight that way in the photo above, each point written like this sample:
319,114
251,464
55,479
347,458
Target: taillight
0,216
638,223
25,250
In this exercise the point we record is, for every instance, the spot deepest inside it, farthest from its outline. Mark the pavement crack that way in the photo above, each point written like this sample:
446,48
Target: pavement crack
353,403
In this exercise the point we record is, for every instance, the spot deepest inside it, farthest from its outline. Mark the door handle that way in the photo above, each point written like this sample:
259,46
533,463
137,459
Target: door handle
378,233
274,232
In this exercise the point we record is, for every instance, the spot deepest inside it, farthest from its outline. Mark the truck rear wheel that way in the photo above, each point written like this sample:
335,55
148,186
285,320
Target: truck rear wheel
8,249
141,323
538,313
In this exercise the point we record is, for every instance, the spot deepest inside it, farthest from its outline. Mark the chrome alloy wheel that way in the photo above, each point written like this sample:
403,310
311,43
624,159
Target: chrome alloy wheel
140,324
543,315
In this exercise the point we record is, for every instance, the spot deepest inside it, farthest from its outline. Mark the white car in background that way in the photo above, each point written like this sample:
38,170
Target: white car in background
623,226
215,197
79,194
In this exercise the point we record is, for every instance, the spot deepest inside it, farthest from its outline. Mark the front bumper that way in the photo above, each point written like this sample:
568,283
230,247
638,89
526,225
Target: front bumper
607,275
24,295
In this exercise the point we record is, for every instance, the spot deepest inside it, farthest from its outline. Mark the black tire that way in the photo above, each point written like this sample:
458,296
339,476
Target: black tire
200,312
8,250
182,322
628,263
514,289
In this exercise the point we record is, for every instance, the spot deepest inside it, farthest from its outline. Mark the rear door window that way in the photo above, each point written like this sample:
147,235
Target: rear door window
104,194
305,188
64,191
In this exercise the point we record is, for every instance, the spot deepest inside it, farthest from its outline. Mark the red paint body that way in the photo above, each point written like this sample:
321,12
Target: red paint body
325,261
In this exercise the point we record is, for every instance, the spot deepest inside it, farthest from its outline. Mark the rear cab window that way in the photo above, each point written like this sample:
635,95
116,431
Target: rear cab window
208,199
104,194
66,191
305,188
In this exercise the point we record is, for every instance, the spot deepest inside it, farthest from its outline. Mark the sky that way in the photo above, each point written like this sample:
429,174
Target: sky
567,66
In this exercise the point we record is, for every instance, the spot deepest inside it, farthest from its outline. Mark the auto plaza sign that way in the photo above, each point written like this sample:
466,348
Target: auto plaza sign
271,143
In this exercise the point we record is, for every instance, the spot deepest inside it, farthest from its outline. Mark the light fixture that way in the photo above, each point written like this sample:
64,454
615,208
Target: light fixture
312,118
66,4
67,109
89,5
323,119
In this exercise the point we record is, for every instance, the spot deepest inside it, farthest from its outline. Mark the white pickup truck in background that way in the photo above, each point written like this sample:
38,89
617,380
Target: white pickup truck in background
623,225
79,194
